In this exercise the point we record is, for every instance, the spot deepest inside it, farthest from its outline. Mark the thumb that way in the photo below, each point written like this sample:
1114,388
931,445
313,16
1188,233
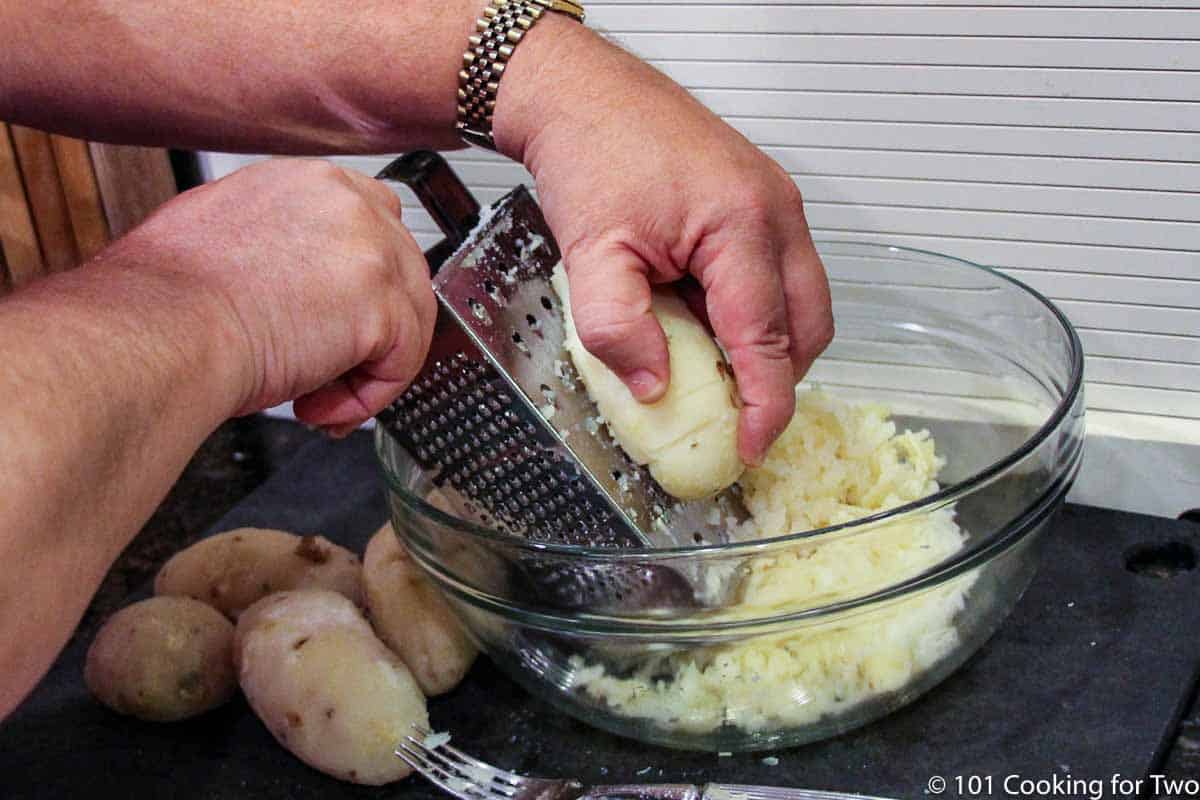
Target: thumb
611,305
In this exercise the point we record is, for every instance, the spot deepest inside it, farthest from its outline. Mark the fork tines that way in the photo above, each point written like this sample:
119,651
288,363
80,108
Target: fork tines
456,772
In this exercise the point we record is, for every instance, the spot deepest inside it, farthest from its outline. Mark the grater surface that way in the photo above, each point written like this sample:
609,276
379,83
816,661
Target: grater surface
502,422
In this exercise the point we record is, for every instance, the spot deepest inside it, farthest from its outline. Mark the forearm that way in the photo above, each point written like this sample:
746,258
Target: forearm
111,377
289,76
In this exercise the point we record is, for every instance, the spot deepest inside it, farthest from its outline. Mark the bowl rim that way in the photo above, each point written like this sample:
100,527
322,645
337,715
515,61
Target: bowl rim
944,496
613,627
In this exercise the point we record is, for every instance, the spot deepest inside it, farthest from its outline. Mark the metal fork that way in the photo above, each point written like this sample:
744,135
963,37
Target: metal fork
468,778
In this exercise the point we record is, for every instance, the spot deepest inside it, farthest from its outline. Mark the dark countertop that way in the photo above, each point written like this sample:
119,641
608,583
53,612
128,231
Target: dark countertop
243,453
232,463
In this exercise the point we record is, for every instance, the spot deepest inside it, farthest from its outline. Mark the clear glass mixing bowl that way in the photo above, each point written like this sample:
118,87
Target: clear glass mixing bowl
984,363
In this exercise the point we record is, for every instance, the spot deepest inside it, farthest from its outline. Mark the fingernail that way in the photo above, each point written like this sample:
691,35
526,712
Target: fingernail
643,383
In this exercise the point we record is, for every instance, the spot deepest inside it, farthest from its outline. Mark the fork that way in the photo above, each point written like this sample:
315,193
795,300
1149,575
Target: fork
468,778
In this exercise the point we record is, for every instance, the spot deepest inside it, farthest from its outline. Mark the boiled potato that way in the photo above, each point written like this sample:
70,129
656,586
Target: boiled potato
232,570
162,659
688,439
412,618
326,687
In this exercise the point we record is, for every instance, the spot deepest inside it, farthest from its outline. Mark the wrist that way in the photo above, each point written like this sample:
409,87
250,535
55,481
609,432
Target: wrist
545,83
182,330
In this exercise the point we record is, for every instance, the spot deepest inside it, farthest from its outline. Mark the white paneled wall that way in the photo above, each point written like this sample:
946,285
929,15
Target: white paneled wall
1059,142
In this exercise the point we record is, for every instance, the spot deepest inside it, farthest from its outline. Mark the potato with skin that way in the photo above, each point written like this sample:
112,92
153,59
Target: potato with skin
688,439
162,659
412,618
328,690
232,570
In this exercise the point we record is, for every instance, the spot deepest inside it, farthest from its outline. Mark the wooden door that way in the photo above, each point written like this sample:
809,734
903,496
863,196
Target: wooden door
62,200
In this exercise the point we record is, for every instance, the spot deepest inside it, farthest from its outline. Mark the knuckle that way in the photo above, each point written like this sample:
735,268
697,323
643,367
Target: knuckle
601,333
758,203
762,348
387,208
779,407
356,205
590,246
365,269
792,196
771,345
427,309
385,270
754,205
779,412
307,170
322,168
389,202
266,166
827,331
817,333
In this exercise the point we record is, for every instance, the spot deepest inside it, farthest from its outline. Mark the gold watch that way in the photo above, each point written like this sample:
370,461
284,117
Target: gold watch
498,32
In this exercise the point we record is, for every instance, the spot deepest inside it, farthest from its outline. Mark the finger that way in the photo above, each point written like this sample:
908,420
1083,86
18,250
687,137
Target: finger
611,304
806,289
394,360
371,386
748,311
350,400
340,431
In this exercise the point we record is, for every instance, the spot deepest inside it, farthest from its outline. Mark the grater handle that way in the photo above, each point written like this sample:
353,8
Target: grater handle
445,197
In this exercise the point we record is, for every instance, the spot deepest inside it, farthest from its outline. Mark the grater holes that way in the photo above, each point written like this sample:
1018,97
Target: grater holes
520,344
546,304
479,311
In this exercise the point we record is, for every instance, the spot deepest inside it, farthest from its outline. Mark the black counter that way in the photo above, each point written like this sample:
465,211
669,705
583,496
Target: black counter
1093,674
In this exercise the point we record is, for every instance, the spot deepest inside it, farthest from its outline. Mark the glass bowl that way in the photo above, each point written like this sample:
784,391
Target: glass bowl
826,629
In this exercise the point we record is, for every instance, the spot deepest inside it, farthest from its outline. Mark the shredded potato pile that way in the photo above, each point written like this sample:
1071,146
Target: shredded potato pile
835,463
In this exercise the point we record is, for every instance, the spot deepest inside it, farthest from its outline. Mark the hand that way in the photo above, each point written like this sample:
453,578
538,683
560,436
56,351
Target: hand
328,292
642,185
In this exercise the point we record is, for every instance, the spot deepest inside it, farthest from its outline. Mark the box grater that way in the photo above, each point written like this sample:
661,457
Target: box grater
500,419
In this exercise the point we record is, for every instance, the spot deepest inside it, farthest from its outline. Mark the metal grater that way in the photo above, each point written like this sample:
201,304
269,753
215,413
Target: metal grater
500,419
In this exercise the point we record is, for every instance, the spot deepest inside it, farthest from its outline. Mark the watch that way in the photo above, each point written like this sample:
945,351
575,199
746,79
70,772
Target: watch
498,32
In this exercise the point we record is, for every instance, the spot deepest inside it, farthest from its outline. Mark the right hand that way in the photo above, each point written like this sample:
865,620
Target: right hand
642,186
326,292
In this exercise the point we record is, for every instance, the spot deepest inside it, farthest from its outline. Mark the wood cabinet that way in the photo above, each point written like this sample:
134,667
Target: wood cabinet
62,200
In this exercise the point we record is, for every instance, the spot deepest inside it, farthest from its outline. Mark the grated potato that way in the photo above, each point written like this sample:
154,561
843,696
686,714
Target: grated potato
834,463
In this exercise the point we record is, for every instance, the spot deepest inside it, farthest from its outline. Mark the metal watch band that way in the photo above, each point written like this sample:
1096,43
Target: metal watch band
498,32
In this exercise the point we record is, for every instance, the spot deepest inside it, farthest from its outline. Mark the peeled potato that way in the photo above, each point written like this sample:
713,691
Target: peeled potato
688,439
328,690
162,659
232,570
412,618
